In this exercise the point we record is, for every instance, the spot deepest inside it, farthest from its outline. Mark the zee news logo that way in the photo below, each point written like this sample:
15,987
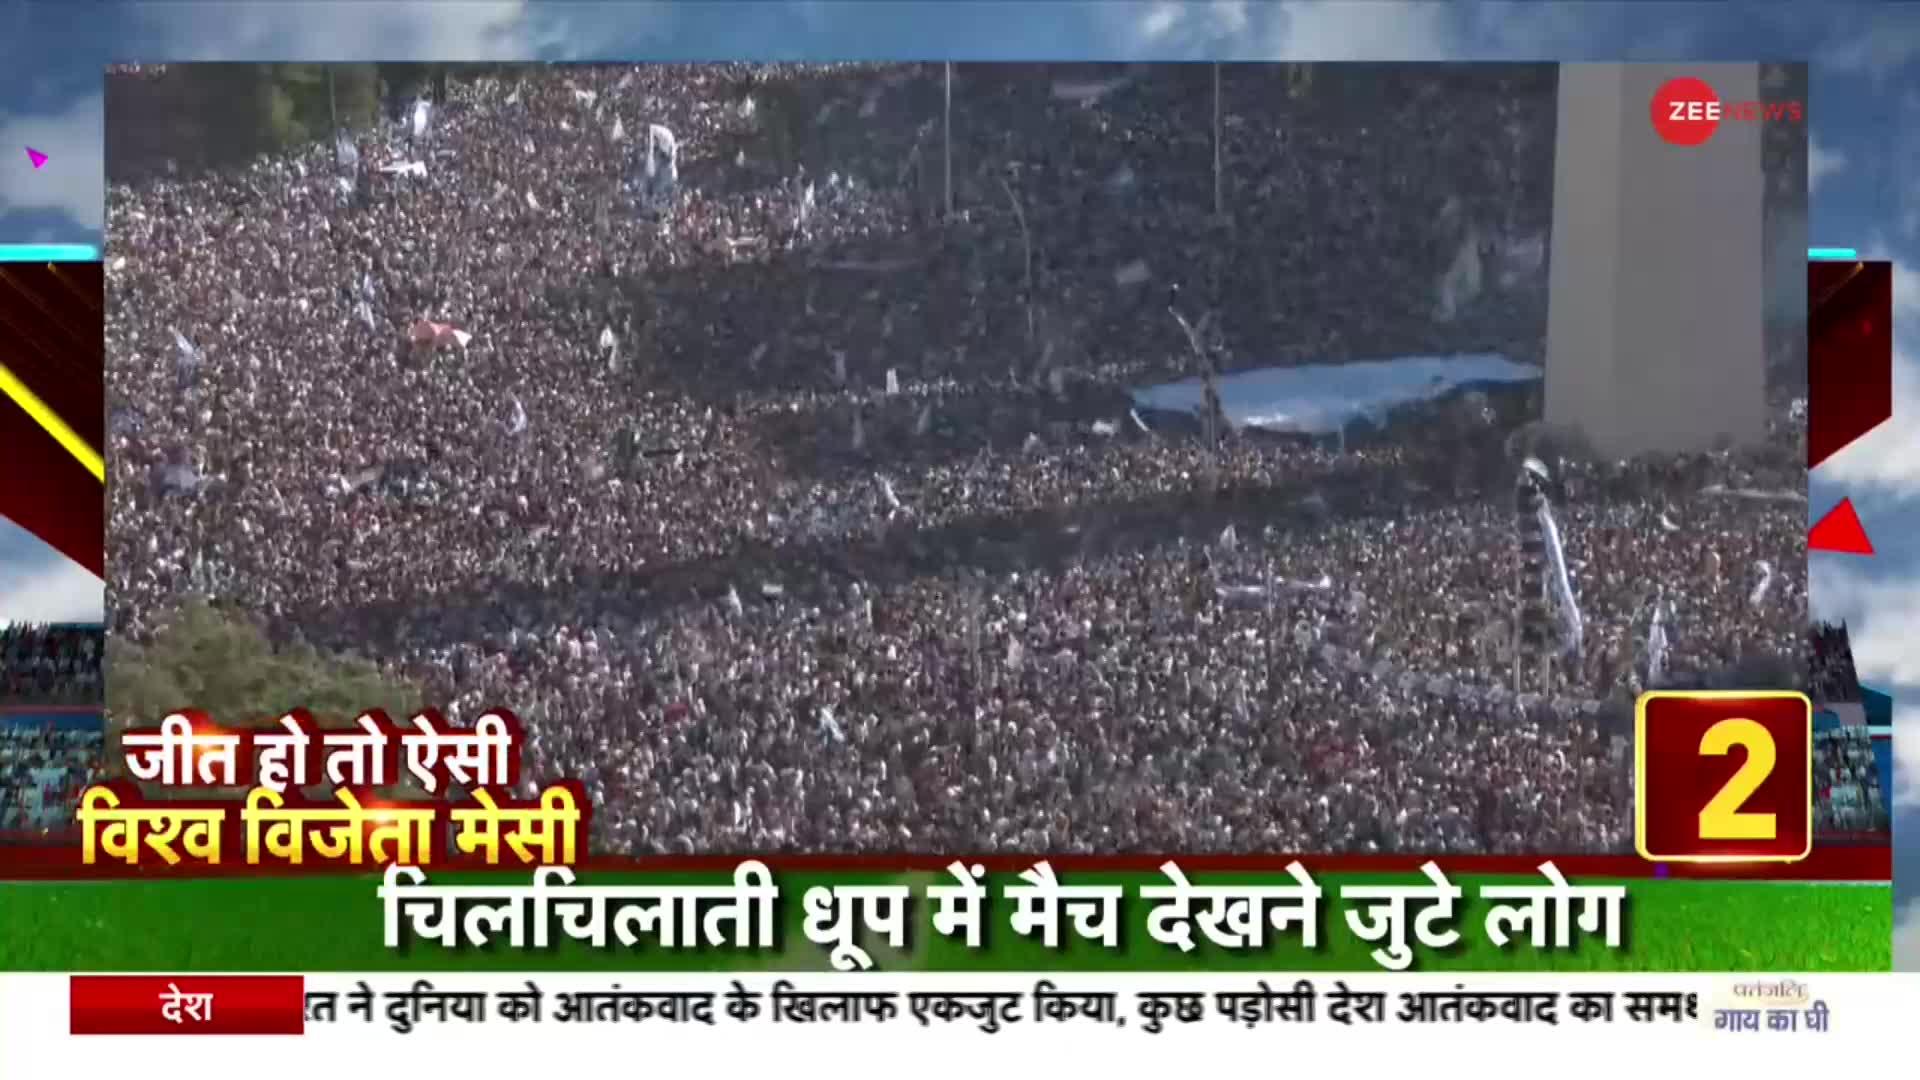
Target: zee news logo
1687,112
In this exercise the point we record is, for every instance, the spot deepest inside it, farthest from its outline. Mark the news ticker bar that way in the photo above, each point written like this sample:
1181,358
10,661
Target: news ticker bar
297,1005
1833,253
48,253
719,1024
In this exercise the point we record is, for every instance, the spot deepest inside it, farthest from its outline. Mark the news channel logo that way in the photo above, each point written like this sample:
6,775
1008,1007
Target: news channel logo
1687,111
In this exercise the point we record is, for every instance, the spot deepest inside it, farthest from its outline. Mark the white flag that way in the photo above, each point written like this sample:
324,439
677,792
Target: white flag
893,381
1763,586
1572,627
1133,273
189,356
421,111
662,145
1657,644
840,367
619,132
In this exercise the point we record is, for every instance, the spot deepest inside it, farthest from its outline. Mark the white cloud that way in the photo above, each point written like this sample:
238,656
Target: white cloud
57,591
1326,30
1877,45
1906,937
1158,21
1888,457
305,30
73,180
1301,31
1822,163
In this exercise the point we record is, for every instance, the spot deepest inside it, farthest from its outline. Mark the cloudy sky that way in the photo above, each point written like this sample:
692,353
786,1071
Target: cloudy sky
1865,114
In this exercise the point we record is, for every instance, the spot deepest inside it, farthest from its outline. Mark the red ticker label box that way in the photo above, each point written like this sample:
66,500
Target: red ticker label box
1723,776
186,1005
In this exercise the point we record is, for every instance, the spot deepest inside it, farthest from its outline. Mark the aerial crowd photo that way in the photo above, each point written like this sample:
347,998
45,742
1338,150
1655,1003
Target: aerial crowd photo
921,457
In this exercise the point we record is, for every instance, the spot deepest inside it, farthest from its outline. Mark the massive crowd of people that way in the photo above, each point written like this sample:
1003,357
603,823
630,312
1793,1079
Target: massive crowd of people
790,491
43,664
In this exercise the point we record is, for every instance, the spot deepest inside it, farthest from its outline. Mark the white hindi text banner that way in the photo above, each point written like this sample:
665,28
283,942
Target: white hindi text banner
807,1025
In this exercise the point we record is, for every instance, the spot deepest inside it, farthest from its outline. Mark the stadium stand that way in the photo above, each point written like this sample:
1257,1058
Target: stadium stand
1853,761
49,664
47,755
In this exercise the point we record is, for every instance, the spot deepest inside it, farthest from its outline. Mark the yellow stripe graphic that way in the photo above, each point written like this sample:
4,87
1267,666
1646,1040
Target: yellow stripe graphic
50,422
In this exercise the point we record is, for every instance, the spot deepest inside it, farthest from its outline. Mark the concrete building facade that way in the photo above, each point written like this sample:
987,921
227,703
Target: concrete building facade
1655,313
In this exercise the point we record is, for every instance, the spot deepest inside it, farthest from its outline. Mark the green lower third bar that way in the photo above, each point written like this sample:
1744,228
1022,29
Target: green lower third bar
45,253
264,924
1832,253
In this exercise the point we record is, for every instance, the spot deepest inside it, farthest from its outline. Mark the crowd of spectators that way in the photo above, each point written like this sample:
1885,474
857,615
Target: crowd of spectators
1847,787
792,511
47,664
43,767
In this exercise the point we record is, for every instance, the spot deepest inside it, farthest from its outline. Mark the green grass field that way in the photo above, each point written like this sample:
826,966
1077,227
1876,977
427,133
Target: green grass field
335,924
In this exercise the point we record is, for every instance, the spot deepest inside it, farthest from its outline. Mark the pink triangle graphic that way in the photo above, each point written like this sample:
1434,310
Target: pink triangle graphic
36,157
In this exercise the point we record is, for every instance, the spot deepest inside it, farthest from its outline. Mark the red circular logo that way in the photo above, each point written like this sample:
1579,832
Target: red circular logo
1686,111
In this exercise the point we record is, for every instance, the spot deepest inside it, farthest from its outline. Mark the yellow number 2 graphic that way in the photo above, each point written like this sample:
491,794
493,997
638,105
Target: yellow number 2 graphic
1722,818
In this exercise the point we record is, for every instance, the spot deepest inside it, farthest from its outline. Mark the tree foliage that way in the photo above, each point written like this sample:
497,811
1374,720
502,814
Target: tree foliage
194,117
201,116
225,665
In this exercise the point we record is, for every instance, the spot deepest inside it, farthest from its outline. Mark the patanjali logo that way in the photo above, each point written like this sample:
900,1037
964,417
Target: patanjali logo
1687,112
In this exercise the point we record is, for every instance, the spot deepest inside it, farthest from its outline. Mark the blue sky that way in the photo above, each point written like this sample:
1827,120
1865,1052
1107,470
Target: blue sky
1864,111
